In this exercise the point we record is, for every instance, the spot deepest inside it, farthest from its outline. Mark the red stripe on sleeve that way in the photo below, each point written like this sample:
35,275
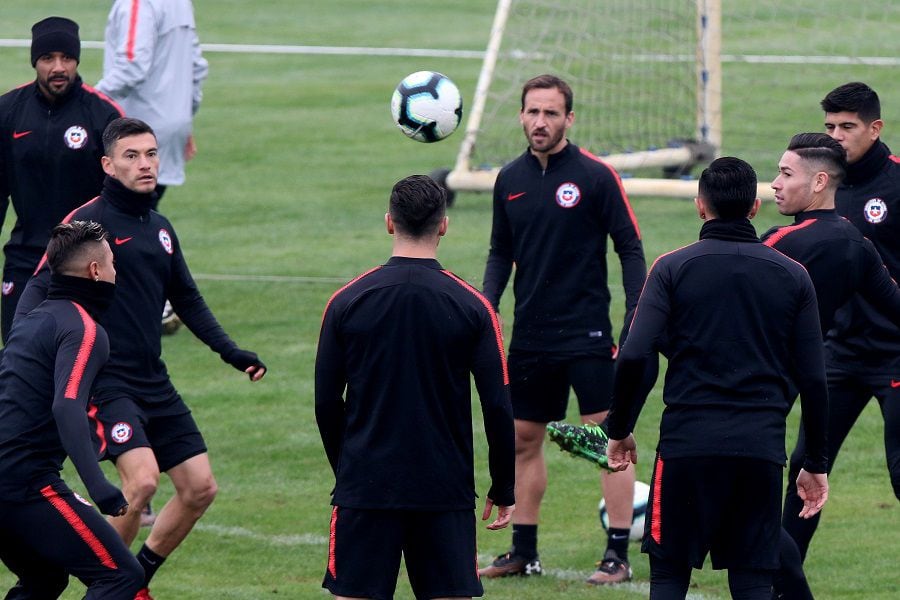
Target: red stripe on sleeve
84,353
103,97
656,515
344,287
332,567
498,331
631,215
80,527
785,231
132,30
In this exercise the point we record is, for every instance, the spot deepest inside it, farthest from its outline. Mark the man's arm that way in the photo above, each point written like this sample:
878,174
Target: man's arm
134,47
878,288
492,382
809,375
193,311
631,384
80,355
35,290
330,382
500,257
201,71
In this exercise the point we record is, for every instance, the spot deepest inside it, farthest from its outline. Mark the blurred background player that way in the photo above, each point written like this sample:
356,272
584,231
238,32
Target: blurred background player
863,348
554,209
54,353
50,149
147,426
153,67
736,320
402,340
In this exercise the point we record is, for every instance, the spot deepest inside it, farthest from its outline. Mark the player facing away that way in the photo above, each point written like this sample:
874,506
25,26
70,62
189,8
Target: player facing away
397,349
147,427
555,208
53,355
50,147
738,322
862,349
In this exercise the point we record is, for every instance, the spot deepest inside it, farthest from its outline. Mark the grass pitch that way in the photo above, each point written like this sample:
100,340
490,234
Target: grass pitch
284,202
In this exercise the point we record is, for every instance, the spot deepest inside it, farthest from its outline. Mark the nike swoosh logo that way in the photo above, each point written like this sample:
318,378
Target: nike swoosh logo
895,384
20,134
119,241
512,197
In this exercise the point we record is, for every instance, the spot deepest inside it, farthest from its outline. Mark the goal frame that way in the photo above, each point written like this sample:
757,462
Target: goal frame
708,134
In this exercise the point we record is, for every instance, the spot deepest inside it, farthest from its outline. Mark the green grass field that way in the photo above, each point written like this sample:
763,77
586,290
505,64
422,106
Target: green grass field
284,202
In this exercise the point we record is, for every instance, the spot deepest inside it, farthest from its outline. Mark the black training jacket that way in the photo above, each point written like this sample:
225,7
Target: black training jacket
49,161
840,262
402,341
870,198
740,324
553,225
49,363
150,267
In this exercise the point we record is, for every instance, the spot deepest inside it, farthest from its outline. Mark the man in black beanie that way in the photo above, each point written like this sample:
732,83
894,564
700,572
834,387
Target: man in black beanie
50,150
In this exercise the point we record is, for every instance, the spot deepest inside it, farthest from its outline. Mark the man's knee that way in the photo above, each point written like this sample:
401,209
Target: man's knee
200,493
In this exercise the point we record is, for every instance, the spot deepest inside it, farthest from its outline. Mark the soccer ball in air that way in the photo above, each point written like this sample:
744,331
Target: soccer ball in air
641,493
426,106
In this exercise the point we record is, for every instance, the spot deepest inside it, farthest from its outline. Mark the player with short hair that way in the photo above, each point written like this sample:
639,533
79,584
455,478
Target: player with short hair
839,260
555,209
863,347
394,409
50,149
147,427
738,322
50,362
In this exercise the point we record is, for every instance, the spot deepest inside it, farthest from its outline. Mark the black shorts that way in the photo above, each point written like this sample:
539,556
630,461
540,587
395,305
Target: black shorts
55,532
438,547
539,385
727,507
121,421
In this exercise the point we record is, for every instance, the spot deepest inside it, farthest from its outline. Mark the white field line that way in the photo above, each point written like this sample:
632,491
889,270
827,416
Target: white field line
878,61
271,278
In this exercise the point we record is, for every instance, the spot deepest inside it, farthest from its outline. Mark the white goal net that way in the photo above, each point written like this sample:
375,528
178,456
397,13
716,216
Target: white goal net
672,83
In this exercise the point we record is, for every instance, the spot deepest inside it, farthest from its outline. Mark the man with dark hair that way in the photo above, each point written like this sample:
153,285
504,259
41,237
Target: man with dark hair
739,322
147,427
840,263
863,347
49,152
555,209
52,357
401,340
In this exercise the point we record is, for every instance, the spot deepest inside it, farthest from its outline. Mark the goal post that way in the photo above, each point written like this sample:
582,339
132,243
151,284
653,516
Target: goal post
647,87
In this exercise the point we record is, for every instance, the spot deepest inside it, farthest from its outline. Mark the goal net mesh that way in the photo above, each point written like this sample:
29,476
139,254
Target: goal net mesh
633,66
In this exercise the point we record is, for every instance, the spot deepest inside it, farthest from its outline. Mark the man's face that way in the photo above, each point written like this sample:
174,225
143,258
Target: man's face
794,184
134,162
852,133
545,121
56,73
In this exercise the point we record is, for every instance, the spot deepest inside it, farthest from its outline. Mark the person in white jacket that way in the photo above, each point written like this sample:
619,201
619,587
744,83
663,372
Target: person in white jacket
153,67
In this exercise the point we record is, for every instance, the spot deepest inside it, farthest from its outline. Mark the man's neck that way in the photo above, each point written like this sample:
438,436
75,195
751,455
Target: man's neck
414,249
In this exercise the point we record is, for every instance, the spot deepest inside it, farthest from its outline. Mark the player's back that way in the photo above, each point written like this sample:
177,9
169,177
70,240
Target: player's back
409,333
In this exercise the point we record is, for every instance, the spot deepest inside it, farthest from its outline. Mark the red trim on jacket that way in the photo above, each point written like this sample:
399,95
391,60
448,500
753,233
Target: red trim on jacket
785,231
631,215
84,532
84,352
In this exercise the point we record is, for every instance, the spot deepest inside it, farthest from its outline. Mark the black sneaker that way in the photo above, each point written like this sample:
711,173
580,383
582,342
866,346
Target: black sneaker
512,564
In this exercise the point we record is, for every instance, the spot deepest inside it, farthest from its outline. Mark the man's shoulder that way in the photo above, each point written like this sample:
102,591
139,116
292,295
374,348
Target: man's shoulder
15,97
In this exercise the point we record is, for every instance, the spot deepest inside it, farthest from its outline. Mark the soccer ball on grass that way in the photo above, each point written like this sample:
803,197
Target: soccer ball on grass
426,106
641,494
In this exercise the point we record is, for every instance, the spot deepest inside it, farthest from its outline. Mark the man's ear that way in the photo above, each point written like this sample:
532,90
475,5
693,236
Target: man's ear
442,228
389,223
756,204
107,165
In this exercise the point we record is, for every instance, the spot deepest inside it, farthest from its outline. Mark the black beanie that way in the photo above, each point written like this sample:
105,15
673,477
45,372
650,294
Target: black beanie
55,34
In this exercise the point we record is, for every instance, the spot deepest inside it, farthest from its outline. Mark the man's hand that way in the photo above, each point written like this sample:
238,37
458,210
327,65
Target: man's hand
255,372
190,148
813,490
504,514
621,453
